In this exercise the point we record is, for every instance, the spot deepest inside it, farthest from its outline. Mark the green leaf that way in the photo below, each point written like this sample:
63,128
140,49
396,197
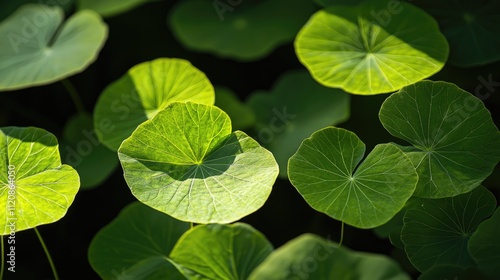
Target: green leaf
323,171
146,89
81,149
295,108
110,7
222,251
456,145
40,189
240,30
136,244
452,272
242,115
363,52
484,246
436,231
186,162
311,257
9,7
472,29
38,48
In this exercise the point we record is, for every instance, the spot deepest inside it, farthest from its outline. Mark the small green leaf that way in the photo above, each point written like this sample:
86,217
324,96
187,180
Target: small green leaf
39,190
221,251
110,8
242,115
146,89
38,48
323,171
311,257
295,108
186,162
484,246
357,49
456,145
436,231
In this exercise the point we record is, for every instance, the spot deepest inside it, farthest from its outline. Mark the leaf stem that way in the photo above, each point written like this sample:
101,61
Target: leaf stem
341,234
3,261
74,95
54,271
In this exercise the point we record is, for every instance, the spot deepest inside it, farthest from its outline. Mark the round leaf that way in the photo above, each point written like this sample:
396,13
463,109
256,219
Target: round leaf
40,189
484,246
38,48
146,89
323,171
436,231
295,108
221,251
366,49
241,30
186,162
311,257
136,245
110,7
456,145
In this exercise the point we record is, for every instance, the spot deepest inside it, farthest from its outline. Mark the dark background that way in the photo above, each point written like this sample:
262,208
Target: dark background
141,35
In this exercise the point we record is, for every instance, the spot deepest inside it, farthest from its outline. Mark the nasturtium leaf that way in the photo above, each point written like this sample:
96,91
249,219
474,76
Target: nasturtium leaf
324,172
146,89
38,48
238,29
137,244
363,52
484,246
456,145
40,190
453,272
472,29
221,252
81,149
295,108
110,7
311,257
242,116
437,231
186,163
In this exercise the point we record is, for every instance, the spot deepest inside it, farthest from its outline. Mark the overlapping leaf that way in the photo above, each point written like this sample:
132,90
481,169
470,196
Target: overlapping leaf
484,246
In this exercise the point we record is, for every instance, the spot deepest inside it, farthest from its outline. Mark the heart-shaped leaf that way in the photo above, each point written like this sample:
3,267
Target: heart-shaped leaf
436,231
367,49
38,48
484,246
323,171
136,245
456,145
224,252
186,162
146,89
35,189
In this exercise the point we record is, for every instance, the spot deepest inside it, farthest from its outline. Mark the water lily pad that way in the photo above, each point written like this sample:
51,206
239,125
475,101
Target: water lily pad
242,116
38,48
35,189
484,246
241,30
136,245
456,145
110,7
146,89
357,49
186,162
327,172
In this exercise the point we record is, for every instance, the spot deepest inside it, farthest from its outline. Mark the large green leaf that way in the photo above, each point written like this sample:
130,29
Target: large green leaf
136,245
484,246
146,89
311,257
324,172
238,29
186,162
295,108
38,48
39,190
109,7
9,7
456,145
358,49
223,252
436,231
471,27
